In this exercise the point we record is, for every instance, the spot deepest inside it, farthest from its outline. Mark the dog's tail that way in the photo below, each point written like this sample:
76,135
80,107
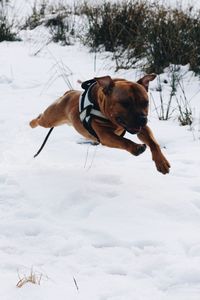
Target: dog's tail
45,140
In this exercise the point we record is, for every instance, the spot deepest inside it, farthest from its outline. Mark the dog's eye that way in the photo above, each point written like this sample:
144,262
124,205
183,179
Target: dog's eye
125,103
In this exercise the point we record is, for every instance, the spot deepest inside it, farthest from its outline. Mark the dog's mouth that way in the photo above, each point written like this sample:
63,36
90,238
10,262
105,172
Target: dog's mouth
132,130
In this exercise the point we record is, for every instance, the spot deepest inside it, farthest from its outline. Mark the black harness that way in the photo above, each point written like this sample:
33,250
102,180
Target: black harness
88,108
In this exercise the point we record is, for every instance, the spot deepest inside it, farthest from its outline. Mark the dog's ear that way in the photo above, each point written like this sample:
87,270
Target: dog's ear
145,80
106,83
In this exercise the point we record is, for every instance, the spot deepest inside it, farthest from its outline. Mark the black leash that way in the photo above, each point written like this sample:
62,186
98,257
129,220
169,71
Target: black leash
46,138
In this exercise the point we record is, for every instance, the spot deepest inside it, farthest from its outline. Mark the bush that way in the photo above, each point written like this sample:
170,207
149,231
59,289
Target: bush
38,13
138,31
57,18
61,28
173,38
6,29
119,28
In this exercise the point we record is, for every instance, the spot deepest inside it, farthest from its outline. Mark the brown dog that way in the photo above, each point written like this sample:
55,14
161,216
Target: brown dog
123,106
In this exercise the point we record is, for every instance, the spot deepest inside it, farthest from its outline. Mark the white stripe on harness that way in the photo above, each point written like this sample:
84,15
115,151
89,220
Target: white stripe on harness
85,102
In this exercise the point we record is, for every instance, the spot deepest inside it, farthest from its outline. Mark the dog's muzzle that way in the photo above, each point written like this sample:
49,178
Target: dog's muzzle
139,122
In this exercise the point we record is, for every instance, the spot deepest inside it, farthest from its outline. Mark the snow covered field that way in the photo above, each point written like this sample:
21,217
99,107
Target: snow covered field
97,223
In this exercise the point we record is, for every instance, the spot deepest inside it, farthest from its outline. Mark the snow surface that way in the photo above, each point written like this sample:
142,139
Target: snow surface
92,216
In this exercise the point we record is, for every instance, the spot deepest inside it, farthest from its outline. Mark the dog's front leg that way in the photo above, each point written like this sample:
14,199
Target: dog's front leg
146,136
110,139
114,141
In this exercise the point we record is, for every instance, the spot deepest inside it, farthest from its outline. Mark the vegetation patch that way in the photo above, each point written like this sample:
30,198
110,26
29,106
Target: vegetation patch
152,35
7,32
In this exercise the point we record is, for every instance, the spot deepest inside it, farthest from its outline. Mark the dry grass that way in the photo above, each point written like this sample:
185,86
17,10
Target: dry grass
33,278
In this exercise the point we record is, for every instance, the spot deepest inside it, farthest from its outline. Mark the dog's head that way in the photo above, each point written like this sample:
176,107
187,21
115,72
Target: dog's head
126,103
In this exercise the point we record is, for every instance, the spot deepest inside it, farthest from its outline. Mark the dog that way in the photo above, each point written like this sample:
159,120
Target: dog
115,106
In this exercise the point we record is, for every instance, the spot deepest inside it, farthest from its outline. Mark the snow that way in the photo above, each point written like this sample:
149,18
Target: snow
89,215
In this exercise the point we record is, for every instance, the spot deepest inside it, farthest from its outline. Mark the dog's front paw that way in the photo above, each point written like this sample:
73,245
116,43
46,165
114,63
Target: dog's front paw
139,149
162,165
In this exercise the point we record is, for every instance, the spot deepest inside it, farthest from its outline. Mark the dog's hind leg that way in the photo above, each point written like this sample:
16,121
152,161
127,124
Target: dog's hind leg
49,118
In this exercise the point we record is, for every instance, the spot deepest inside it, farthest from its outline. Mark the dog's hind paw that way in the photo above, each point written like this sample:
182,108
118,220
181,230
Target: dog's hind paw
33,123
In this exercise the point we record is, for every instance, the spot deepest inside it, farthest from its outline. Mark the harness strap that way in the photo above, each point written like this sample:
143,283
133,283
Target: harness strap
87,107
91,111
